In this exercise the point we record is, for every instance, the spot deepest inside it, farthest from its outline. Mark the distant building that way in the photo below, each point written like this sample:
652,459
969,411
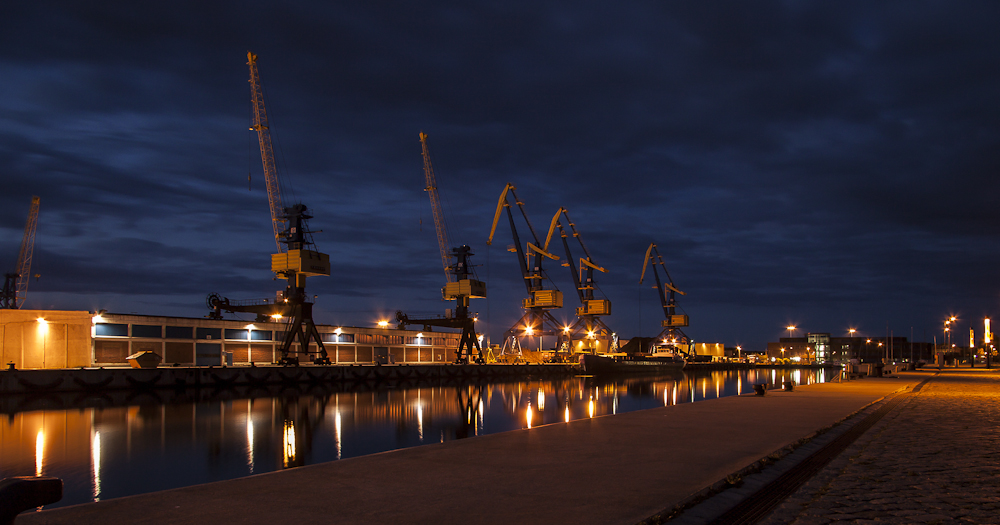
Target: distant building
823,348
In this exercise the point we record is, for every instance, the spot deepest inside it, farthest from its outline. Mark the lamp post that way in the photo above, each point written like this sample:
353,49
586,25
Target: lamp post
790,328
852,332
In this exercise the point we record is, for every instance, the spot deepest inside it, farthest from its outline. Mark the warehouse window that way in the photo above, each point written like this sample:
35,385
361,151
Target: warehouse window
111,330
145,330
179,332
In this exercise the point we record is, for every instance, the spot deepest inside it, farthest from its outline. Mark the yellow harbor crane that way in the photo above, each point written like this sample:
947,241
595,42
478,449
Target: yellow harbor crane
294,260
462,284
537,321
671,338
15,286
588,334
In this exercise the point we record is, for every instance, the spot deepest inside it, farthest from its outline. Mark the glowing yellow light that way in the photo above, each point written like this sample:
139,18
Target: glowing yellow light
420,334
95,454
527,414
590,334
276,316
591,408
250,327
39,452
288,440
383,324
338,331
529,330
566,415
97,319
541,400
790,328
42,321
565,329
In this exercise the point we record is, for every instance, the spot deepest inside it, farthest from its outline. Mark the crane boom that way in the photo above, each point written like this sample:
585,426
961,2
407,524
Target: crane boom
16,284
266,153
439,225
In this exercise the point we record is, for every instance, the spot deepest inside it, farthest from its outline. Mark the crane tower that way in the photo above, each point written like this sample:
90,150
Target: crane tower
15,285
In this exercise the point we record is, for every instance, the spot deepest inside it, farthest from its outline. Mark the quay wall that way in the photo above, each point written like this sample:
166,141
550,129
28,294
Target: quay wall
111,379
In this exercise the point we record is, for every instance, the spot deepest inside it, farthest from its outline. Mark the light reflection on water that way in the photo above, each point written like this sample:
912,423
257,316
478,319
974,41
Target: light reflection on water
140,447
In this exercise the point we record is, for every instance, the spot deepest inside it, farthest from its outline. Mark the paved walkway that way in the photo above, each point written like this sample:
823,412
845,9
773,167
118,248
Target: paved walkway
606,470
933,459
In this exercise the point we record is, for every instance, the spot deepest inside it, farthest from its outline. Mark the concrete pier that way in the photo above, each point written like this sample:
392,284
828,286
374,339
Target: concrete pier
613,469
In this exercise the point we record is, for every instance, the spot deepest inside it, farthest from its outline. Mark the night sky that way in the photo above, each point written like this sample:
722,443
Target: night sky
823,164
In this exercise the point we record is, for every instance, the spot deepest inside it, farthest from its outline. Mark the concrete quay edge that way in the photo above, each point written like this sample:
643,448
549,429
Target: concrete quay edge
612,469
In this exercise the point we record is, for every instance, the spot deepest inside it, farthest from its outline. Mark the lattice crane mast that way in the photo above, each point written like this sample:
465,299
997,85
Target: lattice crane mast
461,285
15,285
293,262
278,220
439,224
537,320
590,333
671,337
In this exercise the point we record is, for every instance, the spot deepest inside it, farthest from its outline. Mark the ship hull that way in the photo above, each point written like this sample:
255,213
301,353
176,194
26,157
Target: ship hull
598,364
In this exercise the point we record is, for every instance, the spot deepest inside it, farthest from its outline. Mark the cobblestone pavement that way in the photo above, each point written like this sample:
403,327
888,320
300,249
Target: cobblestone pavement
934,459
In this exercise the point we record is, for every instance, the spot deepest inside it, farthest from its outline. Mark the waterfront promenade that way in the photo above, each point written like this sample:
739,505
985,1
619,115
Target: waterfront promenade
613,469
933,459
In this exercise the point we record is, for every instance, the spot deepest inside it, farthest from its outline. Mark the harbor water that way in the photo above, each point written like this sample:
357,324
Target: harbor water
144,442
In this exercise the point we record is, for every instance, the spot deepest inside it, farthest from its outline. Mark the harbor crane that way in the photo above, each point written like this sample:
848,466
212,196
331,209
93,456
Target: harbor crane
589,332
671,338
15,284
461,285
537,320
294,260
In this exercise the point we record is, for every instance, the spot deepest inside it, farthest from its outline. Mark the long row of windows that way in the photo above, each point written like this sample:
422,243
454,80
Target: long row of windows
189,332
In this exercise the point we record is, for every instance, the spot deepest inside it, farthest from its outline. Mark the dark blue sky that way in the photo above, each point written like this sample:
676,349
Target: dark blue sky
829,165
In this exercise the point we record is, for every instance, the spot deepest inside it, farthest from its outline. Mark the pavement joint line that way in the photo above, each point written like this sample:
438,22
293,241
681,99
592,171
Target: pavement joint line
763,477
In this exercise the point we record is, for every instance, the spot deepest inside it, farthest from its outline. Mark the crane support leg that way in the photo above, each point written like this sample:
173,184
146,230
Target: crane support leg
469,342
303,329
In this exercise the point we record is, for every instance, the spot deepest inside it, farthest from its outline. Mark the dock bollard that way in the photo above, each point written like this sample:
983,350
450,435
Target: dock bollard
20,493
788,386
760,389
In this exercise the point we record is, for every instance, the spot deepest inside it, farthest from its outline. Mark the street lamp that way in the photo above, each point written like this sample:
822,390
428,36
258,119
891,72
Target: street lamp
852,331
790,328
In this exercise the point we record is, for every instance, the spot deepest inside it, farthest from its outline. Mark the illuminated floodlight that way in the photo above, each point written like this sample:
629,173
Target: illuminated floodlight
42,321
276,316
420,334
383,323
529,330
250,327
565,329
590,334
338,330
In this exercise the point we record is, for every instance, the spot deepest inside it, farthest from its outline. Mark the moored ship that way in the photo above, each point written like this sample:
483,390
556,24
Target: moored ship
656,362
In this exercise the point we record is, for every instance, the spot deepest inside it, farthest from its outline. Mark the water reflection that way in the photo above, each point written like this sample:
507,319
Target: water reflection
105,446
